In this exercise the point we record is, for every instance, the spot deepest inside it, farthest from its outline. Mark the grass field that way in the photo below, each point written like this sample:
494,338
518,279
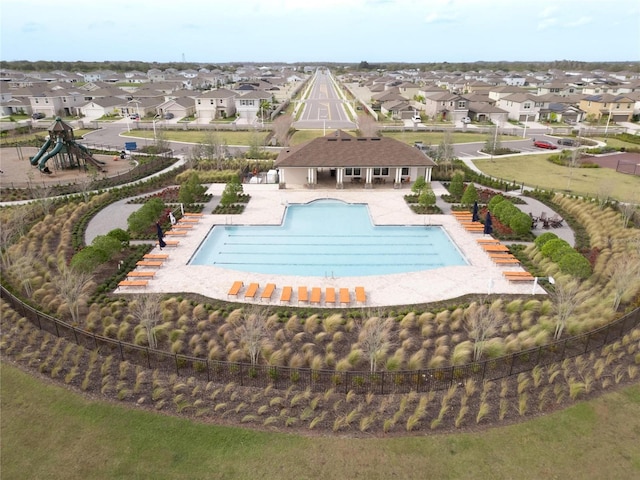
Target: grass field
536,171
50,433
200,136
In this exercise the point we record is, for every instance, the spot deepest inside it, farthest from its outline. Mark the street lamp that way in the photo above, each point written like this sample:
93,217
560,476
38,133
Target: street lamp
524,134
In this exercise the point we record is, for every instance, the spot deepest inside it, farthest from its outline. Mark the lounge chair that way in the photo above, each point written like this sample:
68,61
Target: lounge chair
495,248
285,296
330,296
190,214
361,297
316,294
147,274
171,243
235,289
488,240
133,283
149,263
506,261
176,232
268,291
252,289
345,296
190,220
303,295
156,256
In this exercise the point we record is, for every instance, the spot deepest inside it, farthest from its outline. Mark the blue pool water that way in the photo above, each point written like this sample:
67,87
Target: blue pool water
328,238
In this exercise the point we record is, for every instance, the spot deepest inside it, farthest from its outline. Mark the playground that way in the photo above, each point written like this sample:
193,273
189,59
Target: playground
17,171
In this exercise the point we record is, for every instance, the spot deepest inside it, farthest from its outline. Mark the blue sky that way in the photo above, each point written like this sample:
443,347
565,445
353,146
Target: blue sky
221,31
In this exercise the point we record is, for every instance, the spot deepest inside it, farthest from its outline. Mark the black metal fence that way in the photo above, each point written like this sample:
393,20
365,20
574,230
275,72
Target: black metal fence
245,374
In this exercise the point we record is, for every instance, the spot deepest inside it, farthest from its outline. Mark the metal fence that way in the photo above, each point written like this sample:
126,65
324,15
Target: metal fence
245,374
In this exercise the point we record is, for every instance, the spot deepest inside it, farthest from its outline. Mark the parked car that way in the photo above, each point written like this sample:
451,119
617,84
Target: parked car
38,115
168,116
416,118
134,116
569,142
465,120
543,144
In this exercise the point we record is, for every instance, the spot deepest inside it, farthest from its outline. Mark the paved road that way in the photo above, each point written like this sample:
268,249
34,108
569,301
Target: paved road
324,108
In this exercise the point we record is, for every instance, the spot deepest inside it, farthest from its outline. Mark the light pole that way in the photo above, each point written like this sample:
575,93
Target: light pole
552,281
526,120
606,128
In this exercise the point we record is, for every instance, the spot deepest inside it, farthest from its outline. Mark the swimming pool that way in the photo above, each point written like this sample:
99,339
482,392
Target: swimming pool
328,238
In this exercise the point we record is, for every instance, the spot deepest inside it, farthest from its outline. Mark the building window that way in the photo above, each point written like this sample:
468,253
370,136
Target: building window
356,172
376,171
348,171
198,101
385,171
462,104
405,171
526,106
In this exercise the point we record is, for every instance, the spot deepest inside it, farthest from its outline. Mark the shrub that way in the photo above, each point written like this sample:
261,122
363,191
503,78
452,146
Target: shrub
140,221
419,184
520,223
544,238
87,259
549,248
108,245
495,201
120,235
191,190
470,195
456,187
576,265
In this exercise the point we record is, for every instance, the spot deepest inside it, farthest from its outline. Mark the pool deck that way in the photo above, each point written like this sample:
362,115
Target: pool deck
387,207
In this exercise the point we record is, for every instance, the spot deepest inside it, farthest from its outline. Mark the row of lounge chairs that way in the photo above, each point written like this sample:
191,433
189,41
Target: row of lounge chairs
140,278
311,297
500,255
466,220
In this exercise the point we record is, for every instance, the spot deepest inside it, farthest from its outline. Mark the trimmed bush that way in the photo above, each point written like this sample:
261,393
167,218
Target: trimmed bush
549,248
120,235
576,265
470,195
88,259
520,223
495,201
544,238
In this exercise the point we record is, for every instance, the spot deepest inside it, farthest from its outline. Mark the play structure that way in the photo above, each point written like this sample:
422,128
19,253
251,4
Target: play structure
66,153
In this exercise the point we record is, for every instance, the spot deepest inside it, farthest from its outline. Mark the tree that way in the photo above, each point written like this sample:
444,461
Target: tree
566,298
191,190
146,310
470,194
419,184
445,153
456,186
252,332
427,198
281,127
230,193
146,216
624,272
492,144
73,286
482,322
374,339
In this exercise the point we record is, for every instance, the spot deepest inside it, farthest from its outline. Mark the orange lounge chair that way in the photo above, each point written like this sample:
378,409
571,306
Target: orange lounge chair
142,274
171,243
235,289
501,255
285,296
189,220
303,294
345,296
191,214
133,283
156,256
316,294
149,263
518,276
495,248
176,232
186,226
361,297
330,296
506,261
252,289
268,291
488,240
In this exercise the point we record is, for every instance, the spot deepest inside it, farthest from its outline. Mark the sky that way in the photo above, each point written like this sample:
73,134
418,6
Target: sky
289,31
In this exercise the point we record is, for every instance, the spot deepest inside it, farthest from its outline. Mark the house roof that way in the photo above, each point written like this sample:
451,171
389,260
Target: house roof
339,149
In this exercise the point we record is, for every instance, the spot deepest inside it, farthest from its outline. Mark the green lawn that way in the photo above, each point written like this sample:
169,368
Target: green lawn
536,171
200,136
50,433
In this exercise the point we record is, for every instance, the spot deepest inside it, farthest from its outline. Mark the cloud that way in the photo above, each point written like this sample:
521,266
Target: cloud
580,21
437,18
547,23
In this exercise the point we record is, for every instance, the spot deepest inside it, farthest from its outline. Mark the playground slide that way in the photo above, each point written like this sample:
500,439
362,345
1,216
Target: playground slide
86,154
42,165
45,147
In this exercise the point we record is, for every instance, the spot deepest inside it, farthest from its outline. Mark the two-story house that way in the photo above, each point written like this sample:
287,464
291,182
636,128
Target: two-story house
447,106
217,103
619,108
249,107
520,106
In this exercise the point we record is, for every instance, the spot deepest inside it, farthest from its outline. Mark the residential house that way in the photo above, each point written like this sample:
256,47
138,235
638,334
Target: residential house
619,108
249,106
218,103
447,106
520,106
179,107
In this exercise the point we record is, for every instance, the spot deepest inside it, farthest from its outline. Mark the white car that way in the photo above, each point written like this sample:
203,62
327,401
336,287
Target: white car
416,118
465,120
